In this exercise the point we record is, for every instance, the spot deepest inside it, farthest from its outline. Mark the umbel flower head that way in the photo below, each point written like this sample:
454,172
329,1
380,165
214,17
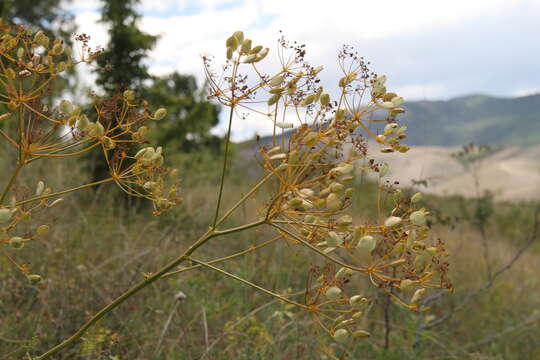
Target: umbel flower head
311,176
35,130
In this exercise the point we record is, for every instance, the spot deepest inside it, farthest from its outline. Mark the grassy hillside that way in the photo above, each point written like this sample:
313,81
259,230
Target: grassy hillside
477,119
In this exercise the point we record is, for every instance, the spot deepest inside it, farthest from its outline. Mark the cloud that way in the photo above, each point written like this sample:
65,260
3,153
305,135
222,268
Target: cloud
428,49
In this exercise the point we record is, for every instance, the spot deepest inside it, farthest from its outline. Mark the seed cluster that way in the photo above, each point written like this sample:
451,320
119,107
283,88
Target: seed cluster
313,168
115,126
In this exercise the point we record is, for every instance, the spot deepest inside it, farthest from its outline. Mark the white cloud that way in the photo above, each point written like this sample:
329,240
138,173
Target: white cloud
429,49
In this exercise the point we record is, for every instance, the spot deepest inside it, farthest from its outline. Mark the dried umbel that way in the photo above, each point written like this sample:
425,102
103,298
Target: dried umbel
311,172
115,128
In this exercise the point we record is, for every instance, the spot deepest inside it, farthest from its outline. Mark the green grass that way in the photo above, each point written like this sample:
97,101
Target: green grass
97,248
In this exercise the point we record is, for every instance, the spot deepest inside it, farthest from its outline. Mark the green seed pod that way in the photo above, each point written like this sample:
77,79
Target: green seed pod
42,230
367,243
418,218
336,187
357,315
160,114
378,91
273,150
281,156
333,293
380,80
325,99
5,116
416,197
108,143
262,54
340,115
334,239
5,215
397,101
20,52
246,46
100,130
383,170
229,53
58,48
239,35
284,125
273,99
308,100
406,284
34,278
431,250
16,242
256,49
232,43
10,73
83,123
333,202
357,301
129,95
276,81
65,107
344,272
345,220
361,334
295,202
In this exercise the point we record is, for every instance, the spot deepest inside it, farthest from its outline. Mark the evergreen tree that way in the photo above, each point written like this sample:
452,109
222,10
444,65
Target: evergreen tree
123,59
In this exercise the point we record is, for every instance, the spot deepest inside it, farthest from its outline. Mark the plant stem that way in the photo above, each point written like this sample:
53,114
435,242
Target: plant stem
225,158
65,191
10,183
255,286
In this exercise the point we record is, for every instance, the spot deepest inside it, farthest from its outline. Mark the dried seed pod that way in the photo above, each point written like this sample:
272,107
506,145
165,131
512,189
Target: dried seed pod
392,221
40,187
418,295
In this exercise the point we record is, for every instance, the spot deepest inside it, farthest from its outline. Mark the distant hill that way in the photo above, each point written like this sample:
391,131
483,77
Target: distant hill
477,119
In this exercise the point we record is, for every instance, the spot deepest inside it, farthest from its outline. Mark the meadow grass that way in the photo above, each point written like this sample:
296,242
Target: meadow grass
98,249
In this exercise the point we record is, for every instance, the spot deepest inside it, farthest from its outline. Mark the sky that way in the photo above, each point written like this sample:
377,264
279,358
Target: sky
428,49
